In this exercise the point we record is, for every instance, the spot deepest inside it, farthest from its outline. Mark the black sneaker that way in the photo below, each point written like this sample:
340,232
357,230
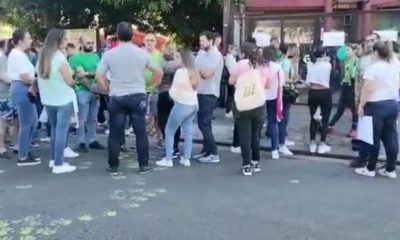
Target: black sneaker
30,161
5,155
247,170
96,146
82,148
112,171
33,157
144,170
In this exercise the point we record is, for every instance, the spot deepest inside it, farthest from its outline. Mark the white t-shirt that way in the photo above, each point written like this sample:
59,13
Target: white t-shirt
181,90
319,72
385,76
18,63
277,76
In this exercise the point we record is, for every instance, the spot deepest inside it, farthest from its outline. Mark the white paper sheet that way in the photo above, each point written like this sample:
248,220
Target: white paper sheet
333,39
263,39
365,130
391,35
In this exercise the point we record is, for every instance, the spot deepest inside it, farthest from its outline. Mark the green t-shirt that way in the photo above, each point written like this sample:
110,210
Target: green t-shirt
87,61
156,58
350,70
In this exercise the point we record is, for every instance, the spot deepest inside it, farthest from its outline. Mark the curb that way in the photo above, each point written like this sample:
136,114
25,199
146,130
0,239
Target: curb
297,152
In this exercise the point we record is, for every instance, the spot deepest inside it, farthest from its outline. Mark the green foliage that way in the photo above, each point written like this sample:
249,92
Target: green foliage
181,18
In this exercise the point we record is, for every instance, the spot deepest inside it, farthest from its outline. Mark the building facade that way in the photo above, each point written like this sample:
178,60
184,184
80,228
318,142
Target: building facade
302,21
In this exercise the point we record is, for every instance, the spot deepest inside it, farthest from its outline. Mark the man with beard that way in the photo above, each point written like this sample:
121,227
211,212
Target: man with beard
84,65
210,63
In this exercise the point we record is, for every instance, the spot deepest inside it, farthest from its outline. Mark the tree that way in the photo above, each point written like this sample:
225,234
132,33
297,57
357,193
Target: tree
183,19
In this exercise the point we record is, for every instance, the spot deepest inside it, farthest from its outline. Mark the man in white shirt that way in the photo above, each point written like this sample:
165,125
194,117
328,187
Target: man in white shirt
210,64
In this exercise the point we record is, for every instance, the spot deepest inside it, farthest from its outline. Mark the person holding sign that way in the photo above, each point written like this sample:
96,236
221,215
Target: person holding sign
347,91
250,77
379,99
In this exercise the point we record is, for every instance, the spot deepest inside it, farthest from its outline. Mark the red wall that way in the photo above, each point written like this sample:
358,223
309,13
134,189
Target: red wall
284,4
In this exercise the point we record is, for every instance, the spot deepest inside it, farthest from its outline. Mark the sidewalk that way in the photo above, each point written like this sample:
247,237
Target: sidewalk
298,132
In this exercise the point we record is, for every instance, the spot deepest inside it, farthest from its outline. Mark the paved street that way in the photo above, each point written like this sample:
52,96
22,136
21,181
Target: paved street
291,199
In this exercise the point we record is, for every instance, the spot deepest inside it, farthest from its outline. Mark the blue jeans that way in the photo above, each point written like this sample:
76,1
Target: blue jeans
59,119
133,106
282,125
272,124
27,117
88,104
181,115
207,105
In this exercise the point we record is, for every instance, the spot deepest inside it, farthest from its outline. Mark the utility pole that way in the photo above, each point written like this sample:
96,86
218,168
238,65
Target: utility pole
227,6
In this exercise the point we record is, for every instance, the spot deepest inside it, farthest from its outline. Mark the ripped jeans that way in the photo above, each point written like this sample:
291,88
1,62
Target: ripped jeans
134,107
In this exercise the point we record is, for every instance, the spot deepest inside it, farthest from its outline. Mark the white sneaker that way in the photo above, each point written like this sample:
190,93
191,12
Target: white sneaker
184,162
107,132
68,153
236,149
385,173
323,148
210,159
65,168
285,151
365,172
229,115
289,143
51,163
275,154
46,139
165,163
313,147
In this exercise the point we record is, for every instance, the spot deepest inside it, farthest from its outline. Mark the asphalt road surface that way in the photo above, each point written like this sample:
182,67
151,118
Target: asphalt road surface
291,199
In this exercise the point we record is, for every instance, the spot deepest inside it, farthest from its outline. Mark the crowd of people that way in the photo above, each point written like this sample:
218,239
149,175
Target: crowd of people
163,93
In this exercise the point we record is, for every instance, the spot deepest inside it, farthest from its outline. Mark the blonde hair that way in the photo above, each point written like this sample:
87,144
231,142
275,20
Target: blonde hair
50,47
188,61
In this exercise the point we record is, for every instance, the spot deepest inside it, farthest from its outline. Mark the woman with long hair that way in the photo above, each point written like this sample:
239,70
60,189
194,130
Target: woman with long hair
379,100
56,91
22,76
249,120
274,104
184,93
319,96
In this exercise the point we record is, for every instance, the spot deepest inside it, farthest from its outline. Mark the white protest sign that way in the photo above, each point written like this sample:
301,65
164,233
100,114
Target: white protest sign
263,39
333,39
391,35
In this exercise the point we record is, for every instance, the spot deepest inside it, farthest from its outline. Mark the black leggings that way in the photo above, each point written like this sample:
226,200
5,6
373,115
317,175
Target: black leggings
164,107
346,99
249,124
319,98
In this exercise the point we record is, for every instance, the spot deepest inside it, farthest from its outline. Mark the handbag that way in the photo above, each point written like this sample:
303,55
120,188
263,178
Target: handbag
290,95
250,91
